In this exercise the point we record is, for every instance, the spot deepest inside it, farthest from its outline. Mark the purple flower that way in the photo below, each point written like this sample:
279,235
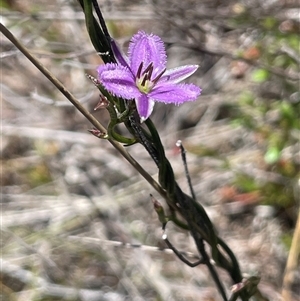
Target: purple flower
143,76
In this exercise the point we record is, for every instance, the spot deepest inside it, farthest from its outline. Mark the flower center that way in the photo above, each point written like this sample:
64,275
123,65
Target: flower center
143,79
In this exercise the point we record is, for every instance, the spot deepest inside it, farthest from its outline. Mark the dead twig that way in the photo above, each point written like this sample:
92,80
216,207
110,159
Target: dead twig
291,264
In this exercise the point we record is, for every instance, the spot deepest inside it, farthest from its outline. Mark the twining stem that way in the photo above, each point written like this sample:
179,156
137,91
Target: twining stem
83,110
197,220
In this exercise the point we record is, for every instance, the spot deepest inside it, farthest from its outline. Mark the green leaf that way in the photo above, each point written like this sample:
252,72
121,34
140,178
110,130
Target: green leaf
293,41
4,4
260,75
287,110
246,98
269,23
272,155
98,38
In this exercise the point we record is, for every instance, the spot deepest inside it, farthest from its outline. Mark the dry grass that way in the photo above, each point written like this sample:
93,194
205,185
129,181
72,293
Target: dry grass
67,197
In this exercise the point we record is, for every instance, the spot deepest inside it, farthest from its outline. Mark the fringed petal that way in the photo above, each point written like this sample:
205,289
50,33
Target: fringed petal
175,93
144,106
178,74
147,48
118,80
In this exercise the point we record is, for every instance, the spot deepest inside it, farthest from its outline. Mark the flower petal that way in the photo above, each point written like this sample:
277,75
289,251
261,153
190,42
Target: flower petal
118,80
178,74
175,93
144,106
121,58
147,48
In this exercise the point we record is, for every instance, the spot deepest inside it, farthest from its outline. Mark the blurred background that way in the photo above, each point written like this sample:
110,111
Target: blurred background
68,198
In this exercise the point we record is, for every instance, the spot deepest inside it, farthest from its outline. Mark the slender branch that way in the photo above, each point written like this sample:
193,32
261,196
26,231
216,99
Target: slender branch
91,242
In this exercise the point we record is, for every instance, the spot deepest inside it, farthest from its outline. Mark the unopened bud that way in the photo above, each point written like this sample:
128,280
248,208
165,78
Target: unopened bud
102,104
159,210
237,287
93,79
178,143
157,205
98,133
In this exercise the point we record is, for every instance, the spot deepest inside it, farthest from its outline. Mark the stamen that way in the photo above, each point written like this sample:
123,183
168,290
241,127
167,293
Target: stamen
150,73
158,77
145,78
147,74
148,68
139,72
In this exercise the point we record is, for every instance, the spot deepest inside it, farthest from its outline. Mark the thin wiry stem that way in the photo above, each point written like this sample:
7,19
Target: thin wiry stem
186,170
